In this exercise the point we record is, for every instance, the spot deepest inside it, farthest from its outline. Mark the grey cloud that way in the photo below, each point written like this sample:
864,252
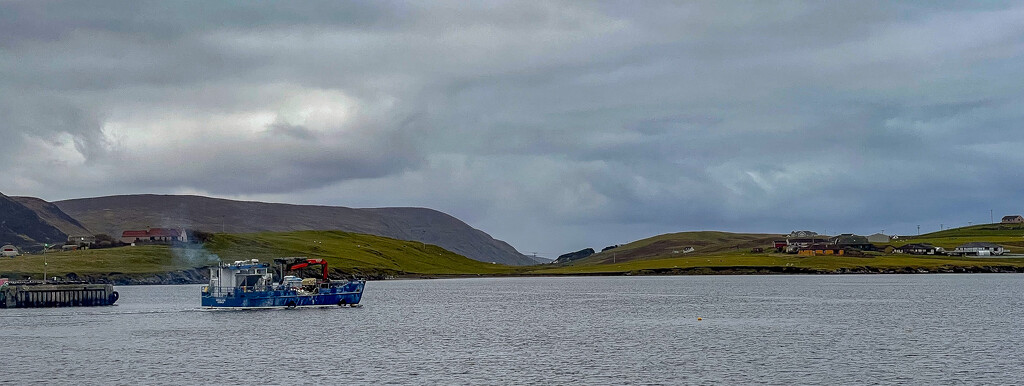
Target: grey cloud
597,122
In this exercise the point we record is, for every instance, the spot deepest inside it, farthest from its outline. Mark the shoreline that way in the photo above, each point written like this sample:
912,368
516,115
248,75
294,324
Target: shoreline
199,275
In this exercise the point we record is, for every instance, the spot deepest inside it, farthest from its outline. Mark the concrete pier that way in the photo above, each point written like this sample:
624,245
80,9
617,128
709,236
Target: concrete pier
14,295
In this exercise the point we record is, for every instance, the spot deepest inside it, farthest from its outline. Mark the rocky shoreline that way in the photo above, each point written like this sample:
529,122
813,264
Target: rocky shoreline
201,275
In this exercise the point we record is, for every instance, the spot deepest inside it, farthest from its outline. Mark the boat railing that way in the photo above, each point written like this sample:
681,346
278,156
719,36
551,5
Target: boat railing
230,291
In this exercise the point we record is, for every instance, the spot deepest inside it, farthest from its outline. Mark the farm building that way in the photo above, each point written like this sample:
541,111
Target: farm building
821,250
802,239
850,240
918,249
152,236
979,249
879,238
1014,219
9,251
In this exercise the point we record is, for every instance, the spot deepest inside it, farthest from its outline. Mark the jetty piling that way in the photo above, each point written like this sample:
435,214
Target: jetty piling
22,295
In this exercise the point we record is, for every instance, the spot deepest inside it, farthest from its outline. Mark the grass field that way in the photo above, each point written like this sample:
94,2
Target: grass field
348,252
351,251
718,250
1009,236
366,254
753,262
131,260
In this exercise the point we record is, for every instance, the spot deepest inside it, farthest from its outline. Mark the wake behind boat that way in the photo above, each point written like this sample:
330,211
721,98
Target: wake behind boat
250,284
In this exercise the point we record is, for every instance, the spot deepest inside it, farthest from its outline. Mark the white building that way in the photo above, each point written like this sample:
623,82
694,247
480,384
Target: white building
9,251
979,249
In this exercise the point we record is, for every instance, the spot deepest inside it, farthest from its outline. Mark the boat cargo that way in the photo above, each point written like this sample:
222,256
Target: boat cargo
24,294
250,284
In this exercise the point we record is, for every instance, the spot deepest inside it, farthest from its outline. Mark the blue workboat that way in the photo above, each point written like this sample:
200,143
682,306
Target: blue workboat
250,284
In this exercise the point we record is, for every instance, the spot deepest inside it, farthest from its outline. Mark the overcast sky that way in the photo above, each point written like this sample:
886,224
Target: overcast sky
554,126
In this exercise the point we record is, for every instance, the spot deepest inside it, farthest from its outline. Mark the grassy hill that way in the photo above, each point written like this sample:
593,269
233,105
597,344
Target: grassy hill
1010,236
367,255
731,253
52,215
23,227
346,253
677,244
114,214
350,252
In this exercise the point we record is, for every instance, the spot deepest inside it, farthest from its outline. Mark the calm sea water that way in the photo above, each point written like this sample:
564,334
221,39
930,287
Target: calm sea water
917,329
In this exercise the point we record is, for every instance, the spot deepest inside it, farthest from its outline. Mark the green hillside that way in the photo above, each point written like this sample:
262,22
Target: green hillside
350,252
676,244
374,256
731,252
1010,236
347,253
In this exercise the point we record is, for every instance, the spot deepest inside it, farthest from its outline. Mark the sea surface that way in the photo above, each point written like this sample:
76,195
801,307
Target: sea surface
853,329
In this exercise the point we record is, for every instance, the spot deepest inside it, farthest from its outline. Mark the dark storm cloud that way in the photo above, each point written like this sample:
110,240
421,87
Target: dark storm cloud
596,122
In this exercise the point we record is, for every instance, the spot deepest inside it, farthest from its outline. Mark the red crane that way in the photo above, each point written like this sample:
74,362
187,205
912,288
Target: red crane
293,263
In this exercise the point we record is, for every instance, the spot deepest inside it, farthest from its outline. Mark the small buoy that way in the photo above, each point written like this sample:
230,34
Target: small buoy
700,318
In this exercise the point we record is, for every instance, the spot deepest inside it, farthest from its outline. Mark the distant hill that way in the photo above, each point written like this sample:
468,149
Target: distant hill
113,214
21,226
679,244
52,215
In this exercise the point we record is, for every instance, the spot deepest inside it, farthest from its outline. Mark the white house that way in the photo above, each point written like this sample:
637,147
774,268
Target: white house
9,251
979,249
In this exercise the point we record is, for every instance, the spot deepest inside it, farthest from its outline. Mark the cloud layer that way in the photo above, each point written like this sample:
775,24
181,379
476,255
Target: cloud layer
552,125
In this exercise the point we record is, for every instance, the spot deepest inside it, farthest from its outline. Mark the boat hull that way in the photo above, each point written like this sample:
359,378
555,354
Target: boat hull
241,297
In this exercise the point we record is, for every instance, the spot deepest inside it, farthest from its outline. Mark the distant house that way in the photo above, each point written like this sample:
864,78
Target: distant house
850,240
9,251
879,238
152,236
821,250
1015,219
918,249
978,249
802,239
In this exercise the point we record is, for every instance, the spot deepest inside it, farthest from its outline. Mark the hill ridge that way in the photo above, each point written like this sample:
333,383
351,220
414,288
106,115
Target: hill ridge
113,214
23,227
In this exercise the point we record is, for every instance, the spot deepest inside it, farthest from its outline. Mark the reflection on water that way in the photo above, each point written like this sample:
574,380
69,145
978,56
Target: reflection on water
592,330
